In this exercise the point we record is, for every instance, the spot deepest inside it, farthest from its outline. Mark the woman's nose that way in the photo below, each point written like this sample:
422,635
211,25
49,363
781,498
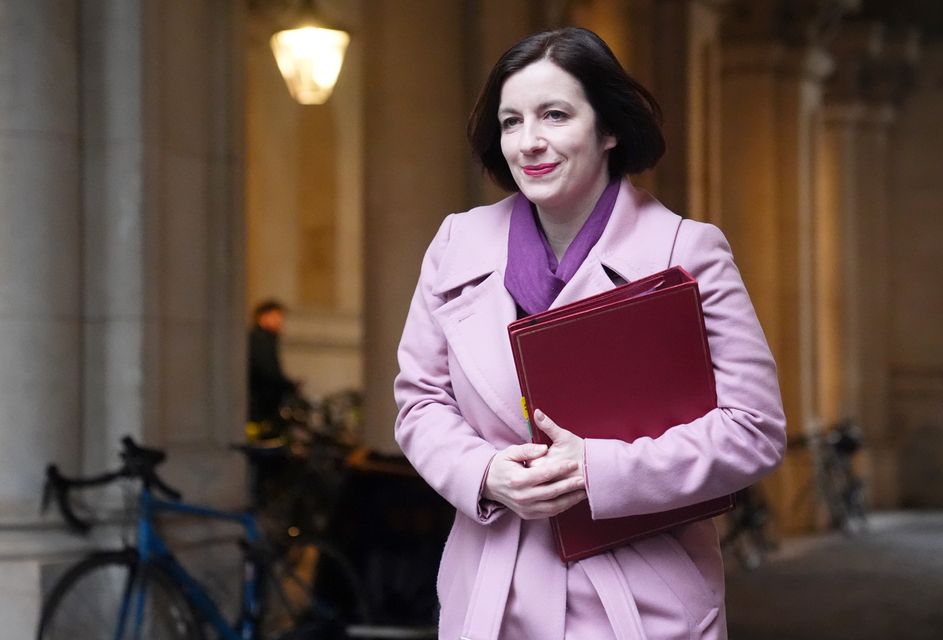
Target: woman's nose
531,140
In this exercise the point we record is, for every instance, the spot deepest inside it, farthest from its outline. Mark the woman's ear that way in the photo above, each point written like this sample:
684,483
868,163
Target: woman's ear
609,141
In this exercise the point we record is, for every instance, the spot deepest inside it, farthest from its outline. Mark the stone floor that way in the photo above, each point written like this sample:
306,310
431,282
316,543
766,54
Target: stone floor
884,584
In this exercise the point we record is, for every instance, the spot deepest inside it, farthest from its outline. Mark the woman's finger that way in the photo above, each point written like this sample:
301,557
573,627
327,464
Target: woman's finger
525,452
565,445
555,489
558,435
554,431
546,472
549,508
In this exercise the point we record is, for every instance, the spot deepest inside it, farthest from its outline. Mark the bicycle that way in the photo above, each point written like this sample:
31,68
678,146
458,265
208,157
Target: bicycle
142,590
747,534
839,487
376,510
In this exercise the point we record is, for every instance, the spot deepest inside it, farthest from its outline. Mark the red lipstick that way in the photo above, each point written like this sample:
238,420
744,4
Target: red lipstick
540,169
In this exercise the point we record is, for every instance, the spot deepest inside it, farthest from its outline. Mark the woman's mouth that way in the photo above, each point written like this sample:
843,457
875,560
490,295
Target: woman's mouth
540,169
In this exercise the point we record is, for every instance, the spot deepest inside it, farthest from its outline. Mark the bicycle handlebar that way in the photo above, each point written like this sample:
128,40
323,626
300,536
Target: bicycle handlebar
141,462
138,462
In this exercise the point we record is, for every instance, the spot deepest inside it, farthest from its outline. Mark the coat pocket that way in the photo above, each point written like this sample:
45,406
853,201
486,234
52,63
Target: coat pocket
672,572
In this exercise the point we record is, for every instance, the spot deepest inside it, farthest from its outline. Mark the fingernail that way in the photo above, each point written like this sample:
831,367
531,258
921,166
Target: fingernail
539,415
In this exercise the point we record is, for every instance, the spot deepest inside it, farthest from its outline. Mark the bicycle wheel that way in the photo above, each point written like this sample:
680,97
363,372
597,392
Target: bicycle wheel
831,485
854,500
97,600
312,591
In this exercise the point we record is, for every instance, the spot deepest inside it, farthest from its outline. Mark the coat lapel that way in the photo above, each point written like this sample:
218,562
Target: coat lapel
475,326
638,241
475,320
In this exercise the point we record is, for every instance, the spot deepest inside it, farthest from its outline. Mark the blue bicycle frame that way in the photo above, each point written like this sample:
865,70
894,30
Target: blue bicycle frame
152,550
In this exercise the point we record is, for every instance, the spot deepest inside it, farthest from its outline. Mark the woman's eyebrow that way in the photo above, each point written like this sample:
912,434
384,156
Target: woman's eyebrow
557,102
543,106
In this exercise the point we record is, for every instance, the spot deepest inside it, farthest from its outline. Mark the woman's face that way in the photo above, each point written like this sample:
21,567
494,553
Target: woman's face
550,141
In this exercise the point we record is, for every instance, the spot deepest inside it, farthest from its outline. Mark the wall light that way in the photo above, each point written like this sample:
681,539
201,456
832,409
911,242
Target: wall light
310,56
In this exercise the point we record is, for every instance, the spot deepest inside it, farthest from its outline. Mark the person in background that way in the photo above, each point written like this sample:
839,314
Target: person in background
268,384
560,124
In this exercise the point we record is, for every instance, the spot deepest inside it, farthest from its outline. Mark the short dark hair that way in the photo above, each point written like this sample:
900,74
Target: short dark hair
266,306
624,108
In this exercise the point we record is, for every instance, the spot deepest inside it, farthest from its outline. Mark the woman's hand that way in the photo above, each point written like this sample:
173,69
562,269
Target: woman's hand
535,481
565,445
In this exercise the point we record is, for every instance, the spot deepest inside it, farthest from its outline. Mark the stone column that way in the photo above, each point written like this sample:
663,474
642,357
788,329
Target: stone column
869,305
113,200
773,73
843,182
41,229
120,248
163,236
416,163
838,229
687,83
41,267
889,81
853,242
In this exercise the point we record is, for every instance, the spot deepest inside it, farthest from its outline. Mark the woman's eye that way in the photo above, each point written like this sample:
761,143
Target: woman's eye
555,115
509,122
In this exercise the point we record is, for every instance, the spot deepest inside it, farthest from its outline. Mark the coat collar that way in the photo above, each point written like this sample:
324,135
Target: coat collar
639,240
477,245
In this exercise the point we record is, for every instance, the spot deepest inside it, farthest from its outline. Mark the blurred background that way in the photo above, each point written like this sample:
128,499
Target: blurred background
158,179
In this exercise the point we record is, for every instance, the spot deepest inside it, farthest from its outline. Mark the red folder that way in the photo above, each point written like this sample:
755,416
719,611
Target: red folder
627,363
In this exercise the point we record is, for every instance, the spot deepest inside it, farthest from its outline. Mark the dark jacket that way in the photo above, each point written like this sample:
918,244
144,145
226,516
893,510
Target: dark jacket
268,385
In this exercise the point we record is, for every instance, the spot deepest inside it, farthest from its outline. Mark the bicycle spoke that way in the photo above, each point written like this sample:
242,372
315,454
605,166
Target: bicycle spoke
105,597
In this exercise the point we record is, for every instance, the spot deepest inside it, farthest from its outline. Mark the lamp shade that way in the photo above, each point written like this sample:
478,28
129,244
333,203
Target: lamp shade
310,59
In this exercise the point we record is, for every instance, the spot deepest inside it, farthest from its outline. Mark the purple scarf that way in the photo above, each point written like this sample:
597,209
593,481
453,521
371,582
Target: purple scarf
533,276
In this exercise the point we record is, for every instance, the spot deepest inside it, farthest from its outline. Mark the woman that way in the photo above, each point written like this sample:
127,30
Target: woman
561,123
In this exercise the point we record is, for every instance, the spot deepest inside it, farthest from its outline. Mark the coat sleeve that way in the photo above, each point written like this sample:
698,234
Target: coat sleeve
723,451
430,429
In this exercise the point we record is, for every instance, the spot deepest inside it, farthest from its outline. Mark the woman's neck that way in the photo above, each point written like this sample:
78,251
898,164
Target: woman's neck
561,225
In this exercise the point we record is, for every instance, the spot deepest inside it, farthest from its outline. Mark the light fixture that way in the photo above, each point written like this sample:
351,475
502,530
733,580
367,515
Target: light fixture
310,56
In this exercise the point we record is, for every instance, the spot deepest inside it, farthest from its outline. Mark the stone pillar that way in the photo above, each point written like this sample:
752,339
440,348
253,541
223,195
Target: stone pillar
162,166
840,260
41,264
121,249
853,241
838,229
41,230
772,95
416,162
895,456
871,305
687,83
113,201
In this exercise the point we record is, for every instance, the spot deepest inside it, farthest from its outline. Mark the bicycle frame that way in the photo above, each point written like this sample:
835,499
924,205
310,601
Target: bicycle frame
153,550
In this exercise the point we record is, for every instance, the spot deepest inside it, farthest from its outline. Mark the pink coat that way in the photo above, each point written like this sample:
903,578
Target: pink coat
459,402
